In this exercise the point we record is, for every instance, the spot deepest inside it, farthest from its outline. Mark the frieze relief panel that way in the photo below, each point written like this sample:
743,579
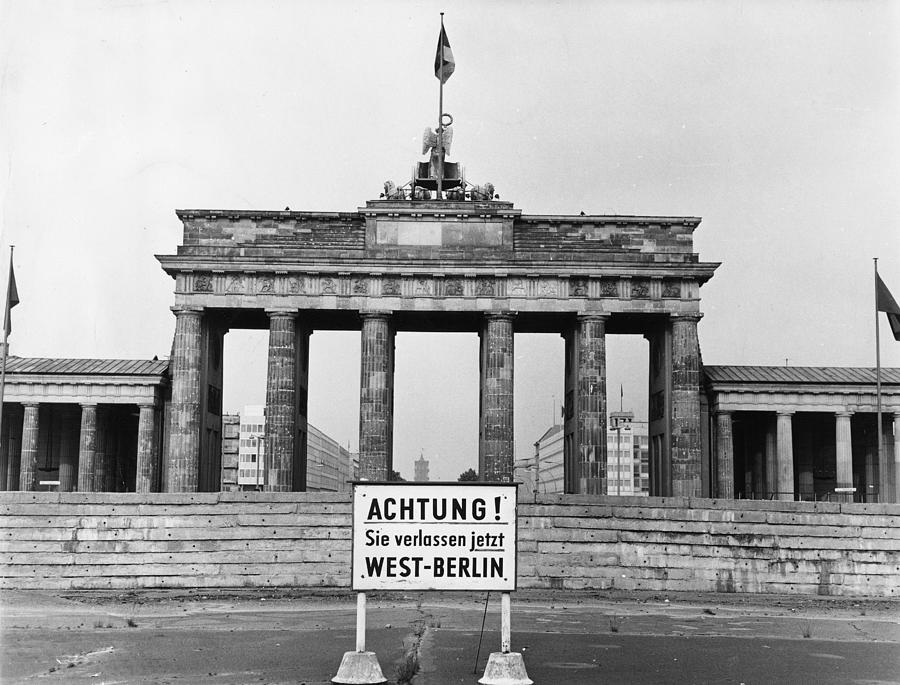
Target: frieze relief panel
640,289
203,283
578,287
548,287
671,289
454,287
609,287
344,284
516,287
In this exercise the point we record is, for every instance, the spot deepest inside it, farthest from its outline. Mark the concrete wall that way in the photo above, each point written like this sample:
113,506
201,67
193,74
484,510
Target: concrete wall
233,539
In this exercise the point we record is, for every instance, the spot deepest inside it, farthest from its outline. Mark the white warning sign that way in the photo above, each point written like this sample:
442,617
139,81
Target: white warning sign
434,537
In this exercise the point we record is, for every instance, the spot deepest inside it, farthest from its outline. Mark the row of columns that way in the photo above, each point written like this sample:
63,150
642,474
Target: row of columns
780,460
586,381
79,469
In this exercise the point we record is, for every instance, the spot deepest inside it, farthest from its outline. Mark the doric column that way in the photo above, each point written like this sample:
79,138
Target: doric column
5,446
66,443
686,448
771,458
886,464
376,397
896,497
785,455
843,451
184,423
146,469
28,467
496,440
13,422
99,480
87,448
281,401
587,393
724,456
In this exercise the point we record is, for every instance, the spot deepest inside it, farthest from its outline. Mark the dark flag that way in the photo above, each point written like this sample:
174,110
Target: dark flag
12,299
444,64
885,302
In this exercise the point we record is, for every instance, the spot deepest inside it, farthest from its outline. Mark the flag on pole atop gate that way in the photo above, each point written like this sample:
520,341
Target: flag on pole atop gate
885,302
444,64
12,298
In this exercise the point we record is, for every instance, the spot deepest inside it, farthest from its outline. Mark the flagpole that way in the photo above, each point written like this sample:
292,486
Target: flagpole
440,170
882,480
6,316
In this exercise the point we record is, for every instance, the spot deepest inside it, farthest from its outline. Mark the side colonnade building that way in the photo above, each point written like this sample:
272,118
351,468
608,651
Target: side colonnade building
803,432
86,425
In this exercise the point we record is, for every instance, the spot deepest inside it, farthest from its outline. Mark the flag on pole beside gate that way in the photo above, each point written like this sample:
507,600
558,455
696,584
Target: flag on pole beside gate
12,299
885,302
444,64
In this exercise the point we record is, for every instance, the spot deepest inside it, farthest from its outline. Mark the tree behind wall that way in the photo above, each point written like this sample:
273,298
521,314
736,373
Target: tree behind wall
468,475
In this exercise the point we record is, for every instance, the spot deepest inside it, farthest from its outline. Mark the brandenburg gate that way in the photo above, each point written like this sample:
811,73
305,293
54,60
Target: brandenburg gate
411,262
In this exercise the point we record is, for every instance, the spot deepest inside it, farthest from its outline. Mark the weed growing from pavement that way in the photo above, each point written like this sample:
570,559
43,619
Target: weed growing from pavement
807,629
614,622
408,667
130,623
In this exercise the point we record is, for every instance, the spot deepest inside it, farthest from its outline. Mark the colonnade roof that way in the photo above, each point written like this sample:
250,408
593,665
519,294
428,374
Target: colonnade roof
81,367
821,375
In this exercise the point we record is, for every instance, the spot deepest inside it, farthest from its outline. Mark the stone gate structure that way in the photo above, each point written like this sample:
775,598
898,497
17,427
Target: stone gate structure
436,265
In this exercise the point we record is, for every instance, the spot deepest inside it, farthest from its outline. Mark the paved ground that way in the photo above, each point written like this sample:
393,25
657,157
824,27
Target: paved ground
570,638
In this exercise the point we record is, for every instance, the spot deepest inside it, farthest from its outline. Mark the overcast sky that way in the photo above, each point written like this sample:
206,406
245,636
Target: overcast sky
777,122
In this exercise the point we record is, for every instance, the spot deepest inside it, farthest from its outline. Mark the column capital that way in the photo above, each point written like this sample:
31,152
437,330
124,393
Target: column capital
690,317
844,414
30,405
286,312
146,405
376,313
88,405
186,310
785,412
501,316
723,412
601,317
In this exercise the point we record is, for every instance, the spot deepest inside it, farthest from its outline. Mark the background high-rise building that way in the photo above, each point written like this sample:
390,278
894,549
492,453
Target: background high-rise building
329,466
252,448
627,459
231,435
421,466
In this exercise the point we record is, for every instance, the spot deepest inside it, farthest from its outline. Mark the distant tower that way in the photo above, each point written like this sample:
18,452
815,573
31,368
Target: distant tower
421,469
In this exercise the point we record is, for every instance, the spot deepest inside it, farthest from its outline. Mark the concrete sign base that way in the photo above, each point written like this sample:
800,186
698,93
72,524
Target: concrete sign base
360,668
505,668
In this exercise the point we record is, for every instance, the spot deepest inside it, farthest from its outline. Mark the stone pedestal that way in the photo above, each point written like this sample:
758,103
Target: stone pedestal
686,449
359,668
146,469
496,440
28,466
87,447
376,397
183,471
281,401
724,456
505,668
785,455
586,392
